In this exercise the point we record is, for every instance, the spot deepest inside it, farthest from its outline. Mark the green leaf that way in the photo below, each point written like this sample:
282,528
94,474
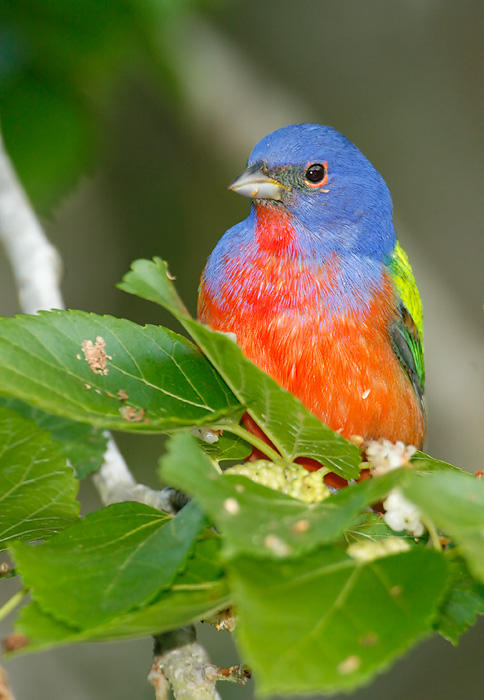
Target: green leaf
227,447
147,379
37,488
43,630
455,504
260,521
465,601
82,444
197,593
426,463
326,622
293,430
369,527
151,280
117,559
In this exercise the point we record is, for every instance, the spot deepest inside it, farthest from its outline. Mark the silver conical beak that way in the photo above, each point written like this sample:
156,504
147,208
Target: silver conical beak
255,184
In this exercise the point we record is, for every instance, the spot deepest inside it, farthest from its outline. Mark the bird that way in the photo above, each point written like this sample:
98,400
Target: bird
317,289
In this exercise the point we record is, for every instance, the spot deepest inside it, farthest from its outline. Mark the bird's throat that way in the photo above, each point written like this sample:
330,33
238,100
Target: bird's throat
274,232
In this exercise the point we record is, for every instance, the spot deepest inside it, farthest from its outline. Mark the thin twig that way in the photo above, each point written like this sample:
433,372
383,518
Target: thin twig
240,673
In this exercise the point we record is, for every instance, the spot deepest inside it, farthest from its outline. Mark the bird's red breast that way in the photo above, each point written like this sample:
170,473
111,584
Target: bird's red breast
341,365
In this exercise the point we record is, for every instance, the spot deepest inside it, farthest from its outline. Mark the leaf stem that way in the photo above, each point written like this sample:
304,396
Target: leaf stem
252,439
433,534
12,603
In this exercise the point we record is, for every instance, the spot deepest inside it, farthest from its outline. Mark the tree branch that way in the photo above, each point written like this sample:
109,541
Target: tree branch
34,260
180,661
115,483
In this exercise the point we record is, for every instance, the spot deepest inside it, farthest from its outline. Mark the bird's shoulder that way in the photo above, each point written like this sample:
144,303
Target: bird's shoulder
407,330
406,286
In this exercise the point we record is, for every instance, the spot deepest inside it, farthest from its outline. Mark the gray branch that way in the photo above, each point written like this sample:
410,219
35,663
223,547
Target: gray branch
35,262
181,662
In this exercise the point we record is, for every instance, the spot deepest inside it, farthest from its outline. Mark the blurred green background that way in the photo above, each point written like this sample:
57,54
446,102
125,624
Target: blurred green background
126,120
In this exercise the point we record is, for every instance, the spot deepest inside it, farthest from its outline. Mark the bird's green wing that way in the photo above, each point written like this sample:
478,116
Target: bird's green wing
406,332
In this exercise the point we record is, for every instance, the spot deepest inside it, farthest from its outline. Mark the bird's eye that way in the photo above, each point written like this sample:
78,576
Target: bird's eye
316,173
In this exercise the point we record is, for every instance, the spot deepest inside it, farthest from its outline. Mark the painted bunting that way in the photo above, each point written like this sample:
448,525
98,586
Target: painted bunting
317,289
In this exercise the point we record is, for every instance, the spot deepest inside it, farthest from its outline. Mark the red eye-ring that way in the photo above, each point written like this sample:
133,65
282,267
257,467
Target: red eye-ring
316,174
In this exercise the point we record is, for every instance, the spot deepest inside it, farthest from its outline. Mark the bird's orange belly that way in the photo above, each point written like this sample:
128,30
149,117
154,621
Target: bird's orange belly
346,374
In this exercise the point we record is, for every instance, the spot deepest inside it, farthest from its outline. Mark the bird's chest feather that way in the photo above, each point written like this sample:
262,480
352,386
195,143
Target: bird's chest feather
278,289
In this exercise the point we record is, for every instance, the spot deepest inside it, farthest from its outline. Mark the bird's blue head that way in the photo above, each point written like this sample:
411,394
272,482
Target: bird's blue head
334,194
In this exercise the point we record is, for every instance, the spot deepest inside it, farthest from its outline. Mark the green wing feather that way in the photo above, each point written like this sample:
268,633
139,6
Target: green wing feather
406,332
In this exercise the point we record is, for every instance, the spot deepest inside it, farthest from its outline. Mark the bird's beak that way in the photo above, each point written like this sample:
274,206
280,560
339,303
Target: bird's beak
255,184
